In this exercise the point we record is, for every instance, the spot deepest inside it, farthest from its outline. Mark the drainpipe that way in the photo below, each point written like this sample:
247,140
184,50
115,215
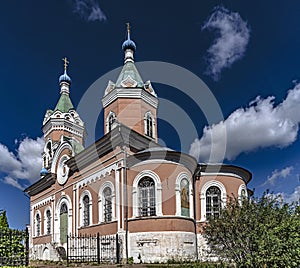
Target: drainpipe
126,201
196,176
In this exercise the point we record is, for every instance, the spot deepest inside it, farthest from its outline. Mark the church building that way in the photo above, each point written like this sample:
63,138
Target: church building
154,198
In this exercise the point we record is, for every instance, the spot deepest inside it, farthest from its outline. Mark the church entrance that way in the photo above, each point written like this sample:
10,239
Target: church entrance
63,219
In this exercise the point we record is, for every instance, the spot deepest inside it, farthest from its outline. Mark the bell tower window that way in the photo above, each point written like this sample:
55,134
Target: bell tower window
148,122
111,119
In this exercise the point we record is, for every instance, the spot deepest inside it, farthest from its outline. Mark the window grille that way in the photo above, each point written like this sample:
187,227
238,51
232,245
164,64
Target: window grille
107,204
86,210
147,205
213,202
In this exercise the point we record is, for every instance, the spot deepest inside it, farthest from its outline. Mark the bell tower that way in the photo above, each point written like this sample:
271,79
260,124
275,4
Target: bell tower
129,100
63,124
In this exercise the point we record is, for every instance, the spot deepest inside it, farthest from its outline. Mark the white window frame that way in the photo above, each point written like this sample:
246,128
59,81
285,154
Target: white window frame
35,224
153,124
81,208
203,196
181,176
242,187
101,202
158,192
110,114
46,221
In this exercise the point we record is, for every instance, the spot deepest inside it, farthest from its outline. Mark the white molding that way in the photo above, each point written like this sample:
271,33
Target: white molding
41,202
203,196
130,93
96,175
215,174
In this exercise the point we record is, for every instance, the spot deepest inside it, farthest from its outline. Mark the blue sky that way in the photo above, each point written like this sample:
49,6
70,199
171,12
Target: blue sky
245,51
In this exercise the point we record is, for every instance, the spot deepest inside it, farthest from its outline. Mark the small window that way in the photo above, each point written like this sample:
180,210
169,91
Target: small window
48,222
213,202
111,120
107,194
86,210
149,125
38,225
147,205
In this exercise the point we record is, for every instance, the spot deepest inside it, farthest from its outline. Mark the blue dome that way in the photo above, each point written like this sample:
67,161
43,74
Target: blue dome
65,78
43,171
129,44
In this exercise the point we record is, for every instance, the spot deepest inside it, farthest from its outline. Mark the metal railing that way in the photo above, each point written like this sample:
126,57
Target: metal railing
89,248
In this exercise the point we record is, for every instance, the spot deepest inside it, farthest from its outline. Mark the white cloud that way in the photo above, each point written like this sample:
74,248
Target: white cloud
262,124
89,10
276,174
231,43
25,164
294,197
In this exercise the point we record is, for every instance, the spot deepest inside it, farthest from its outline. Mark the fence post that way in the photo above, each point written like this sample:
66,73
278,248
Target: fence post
117,248
98,248
67,250
26,247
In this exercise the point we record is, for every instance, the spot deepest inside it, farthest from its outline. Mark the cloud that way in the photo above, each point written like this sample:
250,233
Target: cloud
276,174
294,197
89,10
24,165
262,124
231,43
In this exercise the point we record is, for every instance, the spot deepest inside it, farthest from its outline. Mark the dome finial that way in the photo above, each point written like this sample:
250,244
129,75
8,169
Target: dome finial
66,62
128,29
128,43
64,77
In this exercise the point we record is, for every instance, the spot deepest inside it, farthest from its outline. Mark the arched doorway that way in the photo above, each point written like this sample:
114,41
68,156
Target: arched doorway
63,220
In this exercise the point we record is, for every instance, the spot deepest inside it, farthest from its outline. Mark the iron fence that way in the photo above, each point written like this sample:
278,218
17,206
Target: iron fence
14,247
88,248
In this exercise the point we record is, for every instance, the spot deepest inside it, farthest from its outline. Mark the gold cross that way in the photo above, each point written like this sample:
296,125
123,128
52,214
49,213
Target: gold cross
128,27
66,62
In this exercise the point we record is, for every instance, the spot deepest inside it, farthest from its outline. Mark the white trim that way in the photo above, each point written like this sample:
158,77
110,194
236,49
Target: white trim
215,174
203,196
158,192
130,93
63,146
97,175
181,176
42,202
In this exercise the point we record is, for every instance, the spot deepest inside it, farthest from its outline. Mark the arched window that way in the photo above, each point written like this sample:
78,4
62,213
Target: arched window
110,121
146,190
86,210
213,202
48,222
38,224
149,125
107,204
185,198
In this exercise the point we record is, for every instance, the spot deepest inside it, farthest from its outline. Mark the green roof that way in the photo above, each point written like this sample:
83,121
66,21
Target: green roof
64,104
129,69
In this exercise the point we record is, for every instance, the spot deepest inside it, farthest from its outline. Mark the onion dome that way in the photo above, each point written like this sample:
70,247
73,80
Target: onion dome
65,78
128,43
43,172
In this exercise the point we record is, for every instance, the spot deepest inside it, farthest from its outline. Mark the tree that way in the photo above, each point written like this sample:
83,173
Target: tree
260,232
3,220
